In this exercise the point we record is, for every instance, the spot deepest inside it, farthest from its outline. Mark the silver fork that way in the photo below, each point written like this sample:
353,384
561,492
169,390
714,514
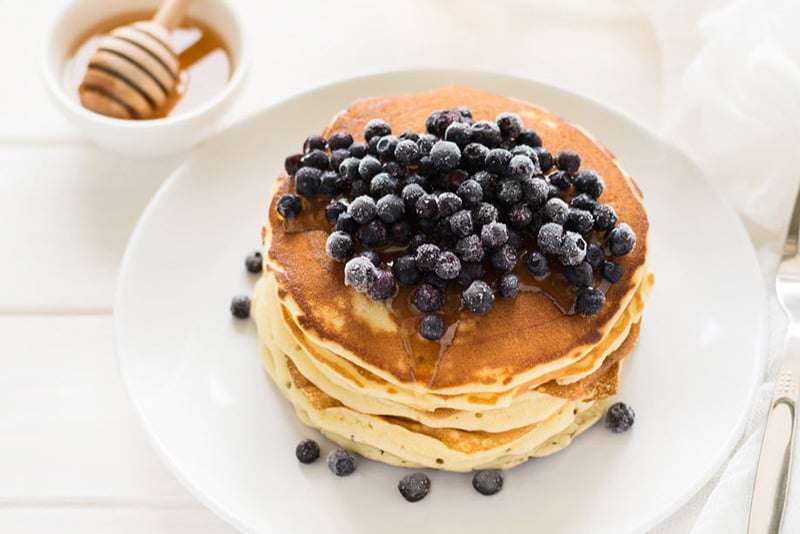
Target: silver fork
775,461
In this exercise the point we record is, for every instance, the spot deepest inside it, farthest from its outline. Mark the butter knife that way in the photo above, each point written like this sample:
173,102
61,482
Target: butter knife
775,461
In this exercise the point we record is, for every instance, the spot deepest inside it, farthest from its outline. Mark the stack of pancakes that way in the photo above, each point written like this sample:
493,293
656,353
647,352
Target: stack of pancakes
518,382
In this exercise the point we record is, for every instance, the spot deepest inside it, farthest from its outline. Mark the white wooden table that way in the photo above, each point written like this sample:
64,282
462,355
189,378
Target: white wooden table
73,457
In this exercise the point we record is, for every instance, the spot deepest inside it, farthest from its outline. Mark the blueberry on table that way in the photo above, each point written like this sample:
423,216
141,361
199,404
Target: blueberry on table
414,487
619,417
341,462
478,297
432,327
537,264
340,246
620,240
425,143
535,192
464,111
307,451
289,206
589,182
409,135
568,161
509,192
348,169
589,301
240,306
376,128
254,262
470,271
487,482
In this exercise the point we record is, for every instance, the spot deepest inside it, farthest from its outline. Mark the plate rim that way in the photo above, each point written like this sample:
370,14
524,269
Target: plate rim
734,435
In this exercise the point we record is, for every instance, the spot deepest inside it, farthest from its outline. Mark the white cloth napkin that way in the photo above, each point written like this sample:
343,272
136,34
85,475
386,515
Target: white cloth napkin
732,104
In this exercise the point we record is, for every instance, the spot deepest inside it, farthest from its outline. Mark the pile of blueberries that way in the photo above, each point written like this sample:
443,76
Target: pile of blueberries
461,203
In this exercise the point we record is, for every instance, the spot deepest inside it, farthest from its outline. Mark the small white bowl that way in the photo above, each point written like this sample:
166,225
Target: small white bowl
154,137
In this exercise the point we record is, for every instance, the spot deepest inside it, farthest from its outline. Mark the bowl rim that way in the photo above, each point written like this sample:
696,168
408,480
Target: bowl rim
51,69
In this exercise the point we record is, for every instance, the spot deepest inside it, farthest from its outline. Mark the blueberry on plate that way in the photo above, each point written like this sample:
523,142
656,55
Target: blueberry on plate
488,482
307,451
619,417
341,462
414,487
254,262
240,306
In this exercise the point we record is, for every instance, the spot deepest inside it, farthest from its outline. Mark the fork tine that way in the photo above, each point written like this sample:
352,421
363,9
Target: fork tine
790,246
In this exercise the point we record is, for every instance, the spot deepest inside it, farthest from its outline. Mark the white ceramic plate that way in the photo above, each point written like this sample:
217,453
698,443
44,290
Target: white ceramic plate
195,377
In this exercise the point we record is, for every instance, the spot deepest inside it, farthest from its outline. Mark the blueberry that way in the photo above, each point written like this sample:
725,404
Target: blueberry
478,297
341,462
612,271
415,486
307,181
376,128
483,214
508,286
406,272
486,133
509,192
330,183
464,111
604,217
573,249
382,184
372,146
519,215
438,121
240,306
383,287
520,168
426,142
504,258
589,182
348,169
470,271
534,192
427,207
436,281
445,155
473,156
494,234
579,275
400,232
390,208
340,246
426,298
470,192
515,240
579,220
470,248
545,158
345,223
307,451
568,161
363,209
461,223
523,150
427,256
338,156
595,255
410,194
359,272
619,417
369,167
289,206
358,187
372,256
556,210
373,234
417,241
448,266
415,178
554,192
314,142
537,220
458,133
487,482
537,264
589,301
432,327
254,262
497,160
394,169
292,163
407,152
358,149
386,146
317,159
488,183
583,201
510,125
528,137
549,238
448,203
340,139
560,179
620,240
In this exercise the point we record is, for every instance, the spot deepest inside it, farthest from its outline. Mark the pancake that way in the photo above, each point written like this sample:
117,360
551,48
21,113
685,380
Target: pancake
518,382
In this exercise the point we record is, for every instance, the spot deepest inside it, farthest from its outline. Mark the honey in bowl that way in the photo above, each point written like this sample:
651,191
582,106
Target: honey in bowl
205,64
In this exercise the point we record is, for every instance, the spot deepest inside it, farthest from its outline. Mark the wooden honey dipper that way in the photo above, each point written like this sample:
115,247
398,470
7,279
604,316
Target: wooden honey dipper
135,68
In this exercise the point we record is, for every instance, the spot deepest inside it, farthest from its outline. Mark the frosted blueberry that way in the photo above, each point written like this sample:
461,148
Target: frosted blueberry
359,272
549,238
556,210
